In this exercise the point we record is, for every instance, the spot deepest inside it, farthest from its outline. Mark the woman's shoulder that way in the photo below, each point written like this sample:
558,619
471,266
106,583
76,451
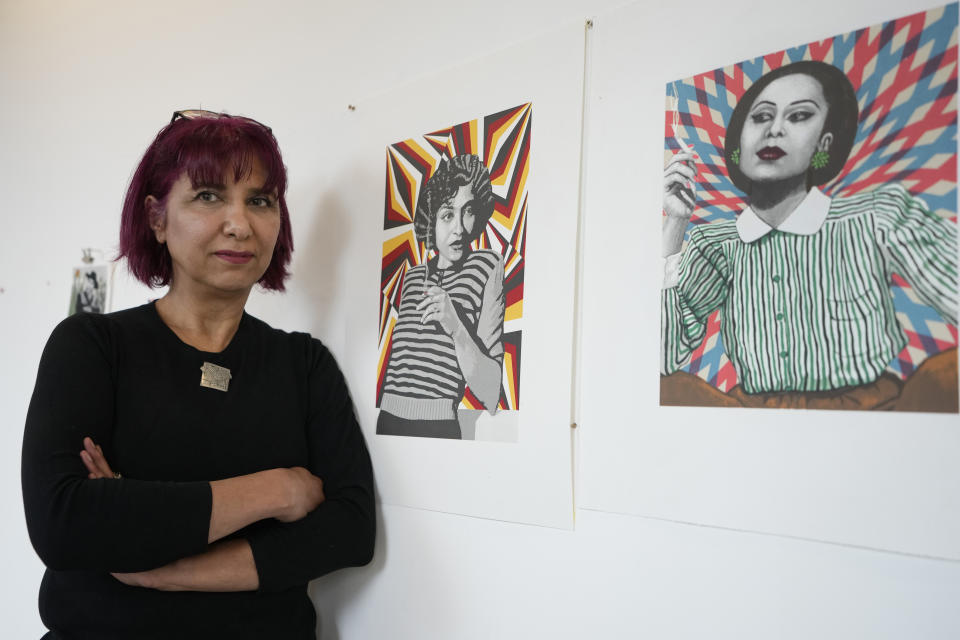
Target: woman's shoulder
420,268
890,194
103,325
486,258
297,344
97,335
719,231
264,330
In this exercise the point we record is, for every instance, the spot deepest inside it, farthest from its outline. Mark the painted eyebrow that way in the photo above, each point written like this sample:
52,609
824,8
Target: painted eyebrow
762,102
804,101
795,102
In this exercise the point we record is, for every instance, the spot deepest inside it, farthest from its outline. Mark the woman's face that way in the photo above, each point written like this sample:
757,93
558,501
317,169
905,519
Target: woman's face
455,220
220,236
783,129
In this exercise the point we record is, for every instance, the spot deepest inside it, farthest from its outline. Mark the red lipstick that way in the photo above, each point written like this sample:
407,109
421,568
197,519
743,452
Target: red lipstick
771,153
235,257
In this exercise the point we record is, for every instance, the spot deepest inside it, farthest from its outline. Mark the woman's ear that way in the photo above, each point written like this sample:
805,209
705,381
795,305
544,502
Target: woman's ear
158,221
825,141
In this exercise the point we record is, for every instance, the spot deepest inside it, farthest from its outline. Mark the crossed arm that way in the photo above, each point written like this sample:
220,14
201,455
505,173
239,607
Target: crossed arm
284,494
172,535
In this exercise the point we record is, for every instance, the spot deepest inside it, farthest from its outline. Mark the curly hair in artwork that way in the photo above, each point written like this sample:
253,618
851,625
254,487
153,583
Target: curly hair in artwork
465,169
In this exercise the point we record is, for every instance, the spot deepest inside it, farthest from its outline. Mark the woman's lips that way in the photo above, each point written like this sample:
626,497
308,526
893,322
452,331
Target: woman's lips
771,153
235,257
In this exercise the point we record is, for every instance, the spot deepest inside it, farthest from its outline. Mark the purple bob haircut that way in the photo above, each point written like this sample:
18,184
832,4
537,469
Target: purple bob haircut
205,148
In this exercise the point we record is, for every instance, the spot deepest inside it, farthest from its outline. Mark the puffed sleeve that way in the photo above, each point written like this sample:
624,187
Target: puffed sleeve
490,321
695,286
340,532
919,246
76,523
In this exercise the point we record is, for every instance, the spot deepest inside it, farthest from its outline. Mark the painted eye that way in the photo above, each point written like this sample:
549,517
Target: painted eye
799,116
761,117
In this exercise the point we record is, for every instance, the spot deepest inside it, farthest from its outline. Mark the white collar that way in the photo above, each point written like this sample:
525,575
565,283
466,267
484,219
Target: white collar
805,220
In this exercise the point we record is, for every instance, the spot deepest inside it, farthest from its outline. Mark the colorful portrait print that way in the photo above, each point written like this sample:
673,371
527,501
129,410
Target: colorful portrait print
849,301
451,288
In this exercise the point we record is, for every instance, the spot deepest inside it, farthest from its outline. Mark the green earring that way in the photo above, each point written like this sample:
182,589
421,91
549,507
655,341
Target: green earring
820,159
735,156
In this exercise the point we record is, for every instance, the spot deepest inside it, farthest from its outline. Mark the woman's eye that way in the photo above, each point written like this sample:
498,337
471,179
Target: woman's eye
446,215
799,116
761,117
261,201
206,196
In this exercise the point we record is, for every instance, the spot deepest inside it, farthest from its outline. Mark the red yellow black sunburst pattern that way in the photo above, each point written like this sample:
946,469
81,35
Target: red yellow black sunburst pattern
502,140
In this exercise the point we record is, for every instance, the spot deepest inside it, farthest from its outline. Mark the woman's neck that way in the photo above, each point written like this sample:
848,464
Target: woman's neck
774,202
204,323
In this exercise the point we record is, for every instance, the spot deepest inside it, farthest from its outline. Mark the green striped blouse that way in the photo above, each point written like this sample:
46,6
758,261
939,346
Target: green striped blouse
810,310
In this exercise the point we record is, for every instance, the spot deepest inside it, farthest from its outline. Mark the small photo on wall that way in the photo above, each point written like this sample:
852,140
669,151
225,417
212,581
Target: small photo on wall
89,291
451,286
810,225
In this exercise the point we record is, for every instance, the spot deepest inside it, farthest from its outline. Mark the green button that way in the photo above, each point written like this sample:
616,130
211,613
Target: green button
779,316
783,354
776,278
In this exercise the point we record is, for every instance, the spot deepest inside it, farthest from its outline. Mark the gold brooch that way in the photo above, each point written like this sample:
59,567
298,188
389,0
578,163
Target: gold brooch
215,377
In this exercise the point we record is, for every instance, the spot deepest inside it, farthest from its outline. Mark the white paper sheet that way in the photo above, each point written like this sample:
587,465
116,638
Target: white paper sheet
873,479
528,480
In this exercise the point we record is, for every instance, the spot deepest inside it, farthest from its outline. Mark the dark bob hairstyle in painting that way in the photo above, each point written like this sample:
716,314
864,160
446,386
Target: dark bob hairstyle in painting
465,169
842,117
206,149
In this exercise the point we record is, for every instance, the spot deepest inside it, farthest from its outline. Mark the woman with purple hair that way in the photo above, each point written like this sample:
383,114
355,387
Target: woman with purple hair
187,469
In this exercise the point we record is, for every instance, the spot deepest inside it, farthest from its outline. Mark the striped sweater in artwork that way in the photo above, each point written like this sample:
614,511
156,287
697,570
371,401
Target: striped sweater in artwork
812,312
423,378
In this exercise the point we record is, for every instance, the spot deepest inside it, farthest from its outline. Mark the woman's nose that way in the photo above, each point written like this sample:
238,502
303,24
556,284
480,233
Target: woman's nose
776,126
235,221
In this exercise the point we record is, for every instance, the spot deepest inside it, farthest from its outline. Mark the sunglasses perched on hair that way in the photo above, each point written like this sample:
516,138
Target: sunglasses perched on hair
196,114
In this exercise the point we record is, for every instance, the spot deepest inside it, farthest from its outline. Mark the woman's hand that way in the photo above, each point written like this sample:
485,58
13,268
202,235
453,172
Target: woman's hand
94,460
679,185
303,493
437,306
679,199
145,579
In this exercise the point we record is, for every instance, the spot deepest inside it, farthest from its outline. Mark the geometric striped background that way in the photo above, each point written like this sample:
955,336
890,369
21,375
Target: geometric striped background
904,73
502,141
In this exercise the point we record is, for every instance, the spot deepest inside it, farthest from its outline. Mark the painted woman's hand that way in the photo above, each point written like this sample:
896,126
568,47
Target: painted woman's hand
437,307
94,460
679,185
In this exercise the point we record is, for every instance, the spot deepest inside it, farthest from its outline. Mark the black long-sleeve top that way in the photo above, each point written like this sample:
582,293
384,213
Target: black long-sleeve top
127,381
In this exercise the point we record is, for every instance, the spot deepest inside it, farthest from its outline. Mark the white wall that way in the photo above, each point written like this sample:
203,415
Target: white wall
85,85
